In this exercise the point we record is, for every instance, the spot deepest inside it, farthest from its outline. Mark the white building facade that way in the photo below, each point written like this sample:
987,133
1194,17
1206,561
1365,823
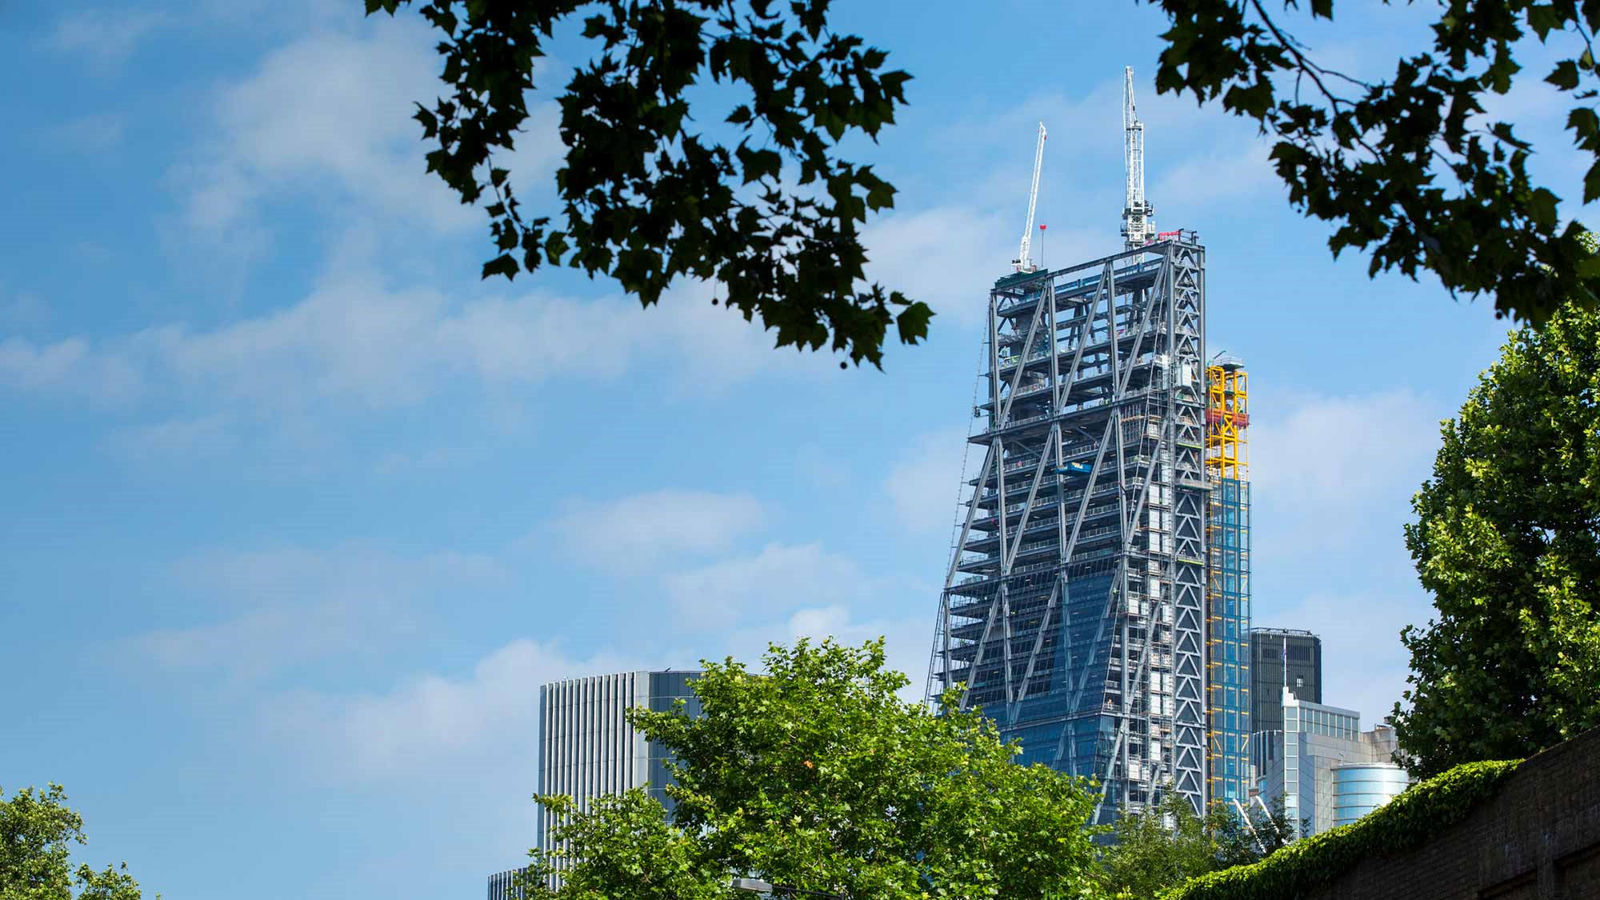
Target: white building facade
588,749
1323,767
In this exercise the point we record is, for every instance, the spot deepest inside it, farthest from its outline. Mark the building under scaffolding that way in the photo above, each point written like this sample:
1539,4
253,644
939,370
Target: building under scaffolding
1228,593
1074,606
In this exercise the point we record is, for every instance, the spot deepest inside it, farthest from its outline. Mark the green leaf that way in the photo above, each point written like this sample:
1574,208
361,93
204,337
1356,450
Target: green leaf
644,199
1564,75
504,264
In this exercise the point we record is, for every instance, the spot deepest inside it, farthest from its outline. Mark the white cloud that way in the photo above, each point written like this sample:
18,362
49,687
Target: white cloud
69,367
715,344
95,133
327,112
925,484
644,529
907,640
942,256
780,577
273,610
333,112
106,38
480,728
1336,455
22,309
395,463
1229,173
349,339
1332,477
207,435
462,746
1364,663
352,343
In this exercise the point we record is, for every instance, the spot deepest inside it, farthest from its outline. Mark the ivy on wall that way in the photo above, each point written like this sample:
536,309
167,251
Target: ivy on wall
1405,823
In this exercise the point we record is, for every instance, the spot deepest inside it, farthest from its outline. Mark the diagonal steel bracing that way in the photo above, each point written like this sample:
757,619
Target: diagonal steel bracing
1073,605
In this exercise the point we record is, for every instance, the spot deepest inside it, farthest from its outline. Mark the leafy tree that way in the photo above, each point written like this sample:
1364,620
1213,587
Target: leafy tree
766,205
772,213
1166,845
1507,539
817,776
37,832
1242,840
1409,166
1157,849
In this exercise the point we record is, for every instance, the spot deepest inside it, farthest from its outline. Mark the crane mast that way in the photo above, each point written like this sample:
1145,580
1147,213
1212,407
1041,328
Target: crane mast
1137,227
1024,260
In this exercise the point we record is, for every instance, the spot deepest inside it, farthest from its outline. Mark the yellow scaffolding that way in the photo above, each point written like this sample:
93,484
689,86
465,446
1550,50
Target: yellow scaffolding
1227,458
1227,417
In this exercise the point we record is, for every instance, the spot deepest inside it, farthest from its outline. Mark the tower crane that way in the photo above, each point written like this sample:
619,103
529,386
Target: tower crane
1024,260
1137,227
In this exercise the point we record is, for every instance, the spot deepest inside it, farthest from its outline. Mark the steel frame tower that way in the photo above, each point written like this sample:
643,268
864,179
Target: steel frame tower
1228,657
1073,610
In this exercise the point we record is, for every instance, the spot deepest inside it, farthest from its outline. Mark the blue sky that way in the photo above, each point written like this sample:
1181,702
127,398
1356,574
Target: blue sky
300,512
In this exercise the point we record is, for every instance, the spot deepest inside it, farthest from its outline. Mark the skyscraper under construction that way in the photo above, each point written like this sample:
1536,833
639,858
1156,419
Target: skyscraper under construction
1075,606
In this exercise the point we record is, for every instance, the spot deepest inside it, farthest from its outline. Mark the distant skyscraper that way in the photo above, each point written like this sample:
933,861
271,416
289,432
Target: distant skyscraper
1269,648
588,750
1073,611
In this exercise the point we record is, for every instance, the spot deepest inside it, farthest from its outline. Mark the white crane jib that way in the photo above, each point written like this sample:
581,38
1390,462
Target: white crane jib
1137,227
1024,260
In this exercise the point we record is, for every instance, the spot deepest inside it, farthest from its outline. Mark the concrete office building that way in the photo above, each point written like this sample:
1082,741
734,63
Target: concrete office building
588,750
1272,650
1324,768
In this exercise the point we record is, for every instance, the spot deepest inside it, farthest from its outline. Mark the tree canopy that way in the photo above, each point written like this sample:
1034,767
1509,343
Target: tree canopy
815,775
764,203
1166,845
37,831
1410,167
1507,539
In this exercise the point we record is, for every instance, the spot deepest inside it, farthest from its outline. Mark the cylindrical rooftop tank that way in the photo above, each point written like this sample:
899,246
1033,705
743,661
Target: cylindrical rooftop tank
1360,788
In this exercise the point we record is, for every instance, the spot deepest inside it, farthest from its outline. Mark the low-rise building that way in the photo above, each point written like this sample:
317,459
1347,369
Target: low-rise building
1324,769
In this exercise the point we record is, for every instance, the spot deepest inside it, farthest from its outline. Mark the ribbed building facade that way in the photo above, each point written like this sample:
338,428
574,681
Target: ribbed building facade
1074,606
588,750
506,886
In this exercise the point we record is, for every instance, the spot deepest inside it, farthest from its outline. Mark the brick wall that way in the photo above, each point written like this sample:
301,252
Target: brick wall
1537,839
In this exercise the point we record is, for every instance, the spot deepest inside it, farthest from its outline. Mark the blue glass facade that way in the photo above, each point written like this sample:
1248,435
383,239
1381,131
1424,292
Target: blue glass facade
1228,641
1060,724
